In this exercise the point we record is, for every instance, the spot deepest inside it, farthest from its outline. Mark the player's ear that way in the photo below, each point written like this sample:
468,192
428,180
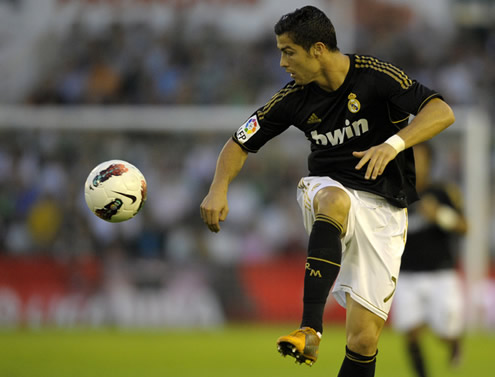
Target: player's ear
318,48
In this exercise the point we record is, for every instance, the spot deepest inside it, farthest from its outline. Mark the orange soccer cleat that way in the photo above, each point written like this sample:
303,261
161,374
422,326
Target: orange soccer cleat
302,344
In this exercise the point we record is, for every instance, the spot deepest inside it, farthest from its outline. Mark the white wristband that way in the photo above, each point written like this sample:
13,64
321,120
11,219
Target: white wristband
446,218
396,142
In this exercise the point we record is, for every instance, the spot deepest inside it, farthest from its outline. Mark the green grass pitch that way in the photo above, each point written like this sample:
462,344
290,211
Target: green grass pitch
241,351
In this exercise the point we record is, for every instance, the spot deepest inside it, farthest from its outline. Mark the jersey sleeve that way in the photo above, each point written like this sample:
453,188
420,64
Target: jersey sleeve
267,122
403,93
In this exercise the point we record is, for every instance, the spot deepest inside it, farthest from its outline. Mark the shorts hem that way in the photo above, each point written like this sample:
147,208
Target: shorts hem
340,297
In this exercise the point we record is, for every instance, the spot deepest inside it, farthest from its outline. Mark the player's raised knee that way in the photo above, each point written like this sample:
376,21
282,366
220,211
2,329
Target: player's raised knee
330,200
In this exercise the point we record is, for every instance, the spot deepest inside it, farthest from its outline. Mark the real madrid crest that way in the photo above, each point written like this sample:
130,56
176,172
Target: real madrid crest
353,105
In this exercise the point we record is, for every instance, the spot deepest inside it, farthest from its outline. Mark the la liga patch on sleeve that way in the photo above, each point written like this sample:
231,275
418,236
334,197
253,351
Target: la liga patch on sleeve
248,129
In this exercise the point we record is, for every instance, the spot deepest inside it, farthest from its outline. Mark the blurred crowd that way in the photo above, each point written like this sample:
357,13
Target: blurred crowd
42,205
137,64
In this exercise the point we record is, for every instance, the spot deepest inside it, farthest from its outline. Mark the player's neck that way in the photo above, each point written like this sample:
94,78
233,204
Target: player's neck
334,71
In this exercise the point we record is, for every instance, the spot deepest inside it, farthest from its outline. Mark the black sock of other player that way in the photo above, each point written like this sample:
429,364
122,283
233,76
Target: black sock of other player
356,365
322,268
416,357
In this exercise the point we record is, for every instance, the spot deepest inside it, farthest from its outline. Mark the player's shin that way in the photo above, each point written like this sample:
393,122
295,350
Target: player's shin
322,268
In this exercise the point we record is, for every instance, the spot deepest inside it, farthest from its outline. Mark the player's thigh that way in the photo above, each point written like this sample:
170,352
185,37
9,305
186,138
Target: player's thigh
372,251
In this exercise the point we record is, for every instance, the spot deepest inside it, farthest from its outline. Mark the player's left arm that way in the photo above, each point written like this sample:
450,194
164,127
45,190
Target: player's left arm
432,119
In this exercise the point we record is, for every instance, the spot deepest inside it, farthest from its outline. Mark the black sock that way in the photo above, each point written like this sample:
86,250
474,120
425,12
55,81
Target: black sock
416,357
356,365
322,268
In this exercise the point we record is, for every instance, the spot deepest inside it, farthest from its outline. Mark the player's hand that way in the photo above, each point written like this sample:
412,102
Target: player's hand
214,209
377,158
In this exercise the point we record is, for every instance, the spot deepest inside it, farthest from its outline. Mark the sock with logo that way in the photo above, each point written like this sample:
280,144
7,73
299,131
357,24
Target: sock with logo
322,268
356,365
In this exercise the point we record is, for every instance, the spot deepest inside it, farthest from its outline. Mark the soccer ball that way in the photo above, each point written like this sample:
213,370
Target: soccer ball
115,190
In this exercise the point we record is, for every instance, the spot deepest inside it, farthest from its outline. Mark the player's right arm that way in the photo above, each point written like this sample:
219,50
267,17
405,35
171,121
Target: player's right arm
215,207
263,125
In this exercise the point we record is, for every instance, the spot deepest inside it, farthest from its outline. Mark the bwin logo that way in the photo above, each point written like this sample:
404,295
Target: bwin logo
337,137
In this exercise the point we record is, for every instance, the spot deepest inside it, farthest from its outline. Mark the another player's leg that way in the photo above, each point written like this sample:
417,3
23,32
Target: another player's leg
415,353
322,267
449,321
363,329
455,352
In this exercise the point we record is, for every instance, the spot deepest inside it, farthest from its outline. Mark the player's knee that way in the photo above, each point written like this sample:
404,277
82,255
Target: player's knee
363,343
334,202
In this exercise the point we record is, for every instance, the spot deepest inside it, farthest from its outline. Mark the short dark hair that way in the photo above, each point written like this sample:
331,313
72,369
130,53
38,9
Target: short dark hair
306,26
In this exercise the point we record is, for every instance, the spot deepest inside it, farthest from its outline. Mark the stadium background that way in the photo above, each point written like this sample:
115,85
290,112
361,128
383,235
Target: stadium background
163,84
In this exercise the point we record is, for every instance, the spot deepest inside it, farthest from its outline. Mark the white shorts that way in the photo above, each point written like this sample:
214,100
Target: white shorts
429,298
371,248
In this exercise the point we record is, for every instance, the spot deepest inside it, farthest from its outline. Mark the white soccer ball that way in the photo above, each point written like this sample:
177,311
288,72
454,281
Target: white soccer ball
115,190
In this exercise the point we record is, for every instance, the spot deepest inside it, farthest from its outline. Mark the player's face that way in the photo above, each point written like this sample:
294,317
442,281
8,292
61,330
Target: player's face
302,65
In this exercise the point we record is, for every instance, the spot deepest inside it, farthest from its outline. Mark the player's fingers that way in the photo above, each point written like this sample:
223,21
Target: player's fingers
367,157
377,159
212,222
215,228
204,213
370,168
376,169
363,159
383,159
380,163
377,165
223,214
383,165
210,218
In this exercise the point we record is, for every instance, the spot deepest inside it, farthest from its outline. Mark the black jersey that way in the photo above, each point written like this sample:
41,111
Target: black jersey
428,246
373,103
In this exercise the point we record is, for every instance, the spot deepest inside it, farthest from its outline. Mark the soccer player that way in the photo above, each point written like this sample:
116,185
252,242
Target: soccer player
430,291
354,110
